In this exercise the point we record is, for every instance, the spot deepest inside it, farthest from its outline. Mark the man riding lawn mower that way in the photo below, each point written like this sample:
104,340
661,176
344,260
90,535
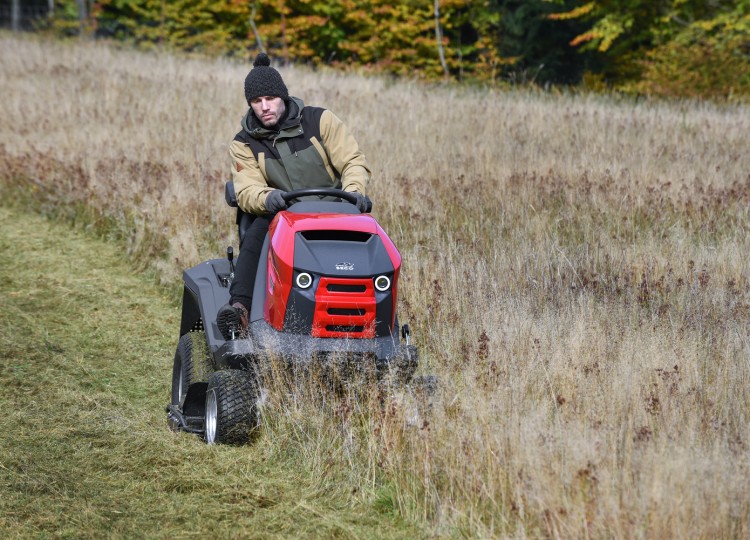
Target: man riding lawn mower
282,146
316,276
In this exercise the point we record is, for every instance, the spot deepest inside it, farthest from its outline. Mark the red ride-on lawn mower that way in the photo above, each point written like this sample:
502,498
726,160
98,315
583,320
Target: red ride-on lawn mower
326,287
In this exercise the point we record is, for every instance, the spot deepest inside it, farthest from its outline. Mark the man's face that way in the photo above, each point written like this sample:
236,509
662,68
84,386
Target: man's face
268,109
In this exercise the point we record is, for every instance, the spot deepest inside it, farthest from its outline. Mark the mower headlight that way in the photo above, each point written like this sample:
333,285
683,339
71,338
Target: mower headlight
382,283
304,280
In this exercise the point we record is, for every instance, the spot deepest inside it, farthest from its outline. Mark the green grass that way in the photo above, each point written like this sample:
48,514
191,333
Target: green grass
85,353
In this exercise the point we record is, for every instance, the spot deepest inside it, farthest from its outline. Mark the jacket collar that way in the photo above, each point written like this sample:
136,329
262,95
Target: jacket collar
255,129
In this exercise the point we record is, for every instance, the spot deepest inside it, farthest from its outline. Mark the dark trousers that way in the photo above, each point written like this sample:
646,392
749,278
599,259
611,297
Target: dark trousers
251,243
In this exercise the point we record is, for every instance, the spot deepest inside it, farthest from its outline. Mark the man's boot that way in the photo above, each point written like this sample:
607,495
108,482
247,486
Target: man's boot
232,321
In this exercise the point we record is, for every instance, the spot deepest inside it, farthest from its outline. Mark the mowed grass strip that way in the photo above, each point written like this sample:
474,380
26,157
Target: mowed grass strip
86,350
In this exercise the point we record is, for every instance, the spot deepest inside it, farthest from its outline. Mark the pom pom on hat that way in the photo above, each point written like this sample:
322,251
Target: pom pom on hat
262,60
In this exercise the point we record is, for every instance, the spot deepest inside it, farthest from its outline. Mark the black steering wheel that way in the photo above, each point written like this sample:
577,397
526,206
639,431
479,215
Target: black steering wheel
349,197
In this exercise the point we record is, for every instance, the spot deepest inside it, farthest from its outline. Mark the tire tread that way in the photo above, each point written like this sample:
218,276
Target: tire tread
237,414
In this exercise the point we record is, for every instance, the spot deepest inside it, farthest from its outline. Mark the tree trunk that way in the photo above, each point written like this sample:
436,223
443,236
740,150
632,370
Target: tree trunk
50,9
82,16
439,38
15,15
283,33
254,28
162,22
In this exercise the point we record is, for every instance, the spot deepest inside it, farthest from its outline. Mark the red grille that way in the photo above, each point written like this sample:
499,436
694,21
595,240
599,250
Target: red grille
344,308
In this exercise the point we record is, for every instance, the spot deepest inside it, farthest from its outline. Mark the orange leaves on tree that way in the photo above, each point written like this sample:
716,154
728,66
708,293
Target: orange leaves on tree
575,13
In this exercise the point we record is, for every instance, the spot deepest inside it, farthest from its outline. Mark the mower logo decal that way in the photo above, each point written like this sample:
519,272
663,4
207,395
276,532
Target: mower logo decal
344,266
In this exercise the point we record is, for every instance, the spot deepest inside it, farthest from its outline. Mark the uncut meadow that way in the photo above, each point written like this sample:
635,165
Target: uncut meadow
574,272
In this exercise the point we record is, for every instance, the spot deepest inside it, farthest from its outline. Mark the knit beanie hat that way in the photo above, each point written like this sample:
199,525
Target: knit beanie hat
263,80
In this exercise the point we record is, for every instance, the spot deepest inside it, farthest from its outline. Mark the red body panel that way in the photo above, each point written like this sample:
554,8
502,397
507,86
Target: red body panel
280,262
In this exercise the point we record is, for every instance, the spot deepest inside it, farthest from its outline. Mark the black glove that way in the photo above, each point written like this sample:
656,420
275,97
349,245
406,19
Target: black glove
363,203
275,201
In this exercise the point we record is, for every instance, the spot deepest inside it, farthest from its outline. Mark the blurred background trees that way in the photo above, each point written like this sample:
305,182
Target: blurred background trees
690,48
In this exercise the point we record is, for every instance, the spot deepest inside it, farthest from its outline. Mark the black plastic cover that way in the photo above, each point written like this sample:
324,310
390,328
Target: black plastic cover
342,258
202,282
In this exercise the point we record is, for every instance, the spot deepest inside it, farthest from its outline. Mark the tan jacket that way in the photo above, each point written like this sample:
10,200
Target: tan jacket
312,149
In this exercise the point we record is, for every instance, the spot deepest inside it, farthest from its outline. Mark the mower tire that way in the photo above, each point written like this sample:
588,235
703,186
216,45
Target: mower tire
192,364
231,407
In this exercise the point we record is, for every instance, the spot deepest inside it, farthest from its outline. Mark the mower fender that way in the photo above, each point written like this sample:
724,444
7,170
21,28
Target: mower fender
204,283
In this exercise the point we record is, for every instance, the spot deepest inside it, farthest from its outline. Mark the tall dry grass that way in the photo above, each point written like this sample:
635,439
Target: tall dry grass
575,272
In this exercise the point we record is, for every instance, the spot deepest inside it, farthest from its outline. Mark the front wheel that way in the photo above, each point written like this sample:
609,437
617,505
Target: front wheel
231,407
192,364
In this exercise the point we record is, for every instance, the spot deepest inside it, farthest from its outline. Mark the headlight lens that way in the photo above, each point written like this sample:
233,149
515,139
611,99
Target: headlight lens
304,280
382,283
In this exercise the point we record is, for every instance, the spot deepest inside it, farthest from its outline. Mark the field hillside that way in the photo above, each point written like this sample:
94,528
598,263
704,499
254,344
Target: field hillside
575,273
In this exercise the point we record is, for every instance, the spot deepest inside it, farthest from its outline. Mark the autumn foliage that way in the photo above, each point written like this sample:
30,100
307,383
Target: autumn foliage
684,48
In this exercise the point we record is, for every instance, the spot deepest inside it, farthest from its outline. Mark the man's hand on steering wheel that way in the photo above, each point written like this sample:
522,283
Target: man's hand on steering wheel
275,201
363,204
